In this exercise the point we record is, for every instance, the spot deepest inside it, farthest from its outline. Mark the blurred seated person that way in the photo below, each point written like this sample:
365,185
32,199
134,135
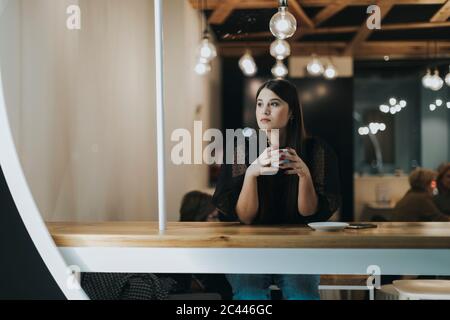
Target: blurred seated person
196,206
417,204
442,200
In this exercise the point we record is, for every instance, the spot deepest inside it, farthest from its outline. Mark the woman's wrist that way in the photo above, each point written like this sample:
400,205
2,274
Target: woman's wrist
252,171
304,173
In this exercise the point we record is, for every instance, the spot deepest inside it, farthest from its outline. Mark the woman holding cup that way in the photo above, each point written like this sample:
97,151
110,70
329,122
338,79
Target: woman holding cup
295,180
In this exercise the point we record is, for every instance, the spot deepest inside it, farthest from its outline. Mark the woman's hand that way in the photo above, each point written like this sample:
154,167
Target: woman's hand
295,165
307,196
263,164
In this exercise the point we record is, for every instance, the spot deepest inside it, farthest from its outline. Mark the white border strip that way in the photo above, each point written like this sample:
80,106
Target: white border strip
259,261
29,212
159,63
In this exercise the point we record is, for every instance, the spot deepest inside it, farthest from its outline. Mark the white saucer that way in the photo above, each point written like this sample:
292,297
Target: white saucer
328,226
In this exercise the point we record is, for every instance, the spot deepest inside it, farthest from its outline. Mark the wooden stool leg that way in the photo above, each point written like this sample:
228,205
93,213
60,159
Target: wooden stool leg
372,293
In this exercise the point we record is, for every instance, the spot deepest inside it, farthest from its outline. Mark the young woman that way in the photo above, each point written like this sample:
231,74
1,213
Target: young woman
304,189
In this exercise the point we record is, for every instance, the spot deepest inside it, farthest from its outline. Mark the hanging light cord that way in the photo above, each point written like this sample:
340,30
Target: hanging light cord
205,31
283,3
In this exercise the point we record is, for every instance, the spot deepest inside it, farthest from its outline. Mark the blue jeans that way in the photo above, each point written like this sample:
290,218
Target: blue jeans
256,286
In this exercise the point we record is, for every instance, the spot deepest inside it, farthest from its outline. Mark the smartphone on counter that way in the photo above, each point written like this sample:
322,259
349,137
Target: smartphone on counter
361,226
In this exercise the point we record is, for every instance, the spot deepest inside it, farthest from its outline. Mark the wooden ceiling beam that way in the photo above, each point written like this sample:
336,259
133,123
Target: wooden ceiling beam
267,4
349,29
300,14
367,50
324,3
401,49
243,4
442,14
329,11
413,25
364,32
262,48
223,11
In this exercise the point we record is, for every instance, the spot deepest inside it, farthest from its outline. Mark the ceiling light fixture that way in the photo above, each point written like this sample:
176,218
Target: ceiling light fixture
247,64
283,24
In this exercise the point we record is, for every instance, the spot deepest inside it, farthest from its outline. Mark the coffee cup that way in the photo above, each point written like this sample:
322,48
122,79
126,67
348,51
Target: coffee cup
277,162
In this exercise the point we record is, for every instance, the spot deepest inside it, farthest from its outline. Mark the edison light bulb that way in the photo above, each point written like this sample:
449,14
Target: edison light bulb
436,82
373,127
447,77
384,108
207,49
315,67
426,79
280,49
330,72
283,24
279,70
202,67
247,64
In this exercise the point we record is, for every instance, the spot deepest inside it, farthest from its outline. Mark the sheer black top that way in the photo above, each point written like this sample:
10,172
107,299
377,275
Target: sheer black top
322,163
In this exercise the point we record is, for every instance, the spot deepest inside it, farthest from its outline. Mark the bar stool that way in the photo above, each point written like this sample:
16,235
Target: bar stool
387,292
423,289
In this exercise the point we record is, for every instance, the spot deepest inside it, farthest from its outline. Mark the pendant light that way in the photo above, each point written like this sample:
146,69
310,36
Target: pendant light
279,70
207,50
283,24
202,67
330,71
426,79
280,49
436,81
315,67
247,64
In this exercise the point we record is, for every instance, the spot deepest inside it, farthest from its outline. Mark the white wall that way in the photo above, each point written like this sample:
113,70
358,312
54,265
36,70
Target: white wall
185,92
82,104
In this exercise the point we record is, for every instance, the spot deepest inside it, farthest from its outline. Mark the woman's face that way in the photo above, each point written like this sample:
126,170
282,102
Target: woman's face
271,111
446,180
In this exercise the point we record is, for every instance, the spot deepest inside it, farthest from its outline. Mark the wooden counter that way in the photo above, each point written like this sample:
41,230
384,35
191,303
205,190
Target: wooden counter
430,235
392,248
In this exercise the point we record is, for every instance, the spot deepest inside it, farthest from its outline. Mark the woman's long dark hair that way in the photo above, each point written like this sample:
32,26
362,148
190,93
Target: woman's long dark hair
295,138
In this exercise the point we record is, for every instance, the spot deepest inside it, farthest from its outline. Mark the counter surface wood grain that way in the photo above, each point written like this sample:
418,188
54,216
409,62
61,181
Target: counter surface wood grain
388,235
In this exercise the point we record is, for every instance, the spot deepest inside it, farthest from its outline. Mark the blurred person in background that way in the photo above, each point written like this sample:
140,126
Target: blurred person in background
417,204
197,206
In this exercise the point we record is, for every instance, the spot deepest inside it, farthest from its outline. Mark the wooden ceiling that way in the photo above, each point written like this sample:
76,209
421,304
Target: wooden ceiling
409,29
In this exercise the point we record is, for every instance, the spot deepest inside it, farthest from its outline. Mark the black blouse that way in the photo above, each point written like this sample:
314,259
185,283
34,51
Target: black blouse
322,163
